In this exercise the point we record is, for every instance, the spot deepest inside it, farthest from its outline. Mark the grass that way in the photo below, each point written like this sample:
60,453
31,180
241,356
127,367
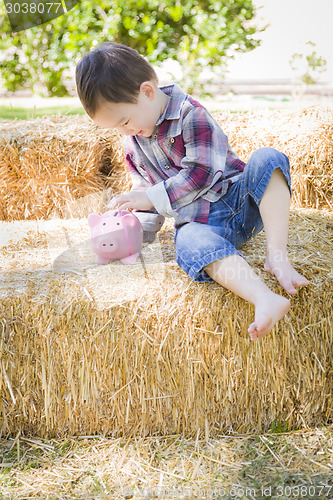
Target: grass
24,113
287,465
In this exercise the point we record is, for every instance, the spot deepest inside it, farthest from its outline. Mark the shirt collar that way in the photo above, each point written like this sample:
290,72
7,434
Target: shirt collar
173,107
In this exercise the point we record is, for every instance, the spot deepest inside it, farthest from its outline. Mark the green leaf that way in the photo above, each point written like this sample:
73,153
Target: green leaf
196,33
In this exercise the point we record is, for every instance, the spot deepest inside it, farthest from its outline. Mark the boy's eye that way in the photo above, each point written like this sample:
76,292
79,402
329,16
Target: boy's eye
126,123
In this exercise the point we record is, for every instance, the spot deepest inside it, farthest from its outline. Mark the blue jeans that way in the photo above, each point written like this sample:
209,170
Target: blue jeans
233,220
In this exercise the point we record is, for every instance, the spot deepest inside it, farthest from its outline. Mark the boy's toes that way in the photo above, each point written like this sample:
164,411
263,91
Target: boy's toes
291,286
301,281
253,331
296,280
291,289
258,329
288,286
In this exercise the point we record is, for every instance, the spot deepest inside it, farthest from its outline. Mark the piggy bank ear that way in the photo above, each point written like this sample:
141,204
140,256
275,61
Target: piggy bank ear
93,219
129,219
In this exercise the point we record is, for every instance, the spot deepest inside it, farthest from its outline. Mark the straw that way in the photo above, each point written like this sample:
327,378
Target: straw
91,349
51,166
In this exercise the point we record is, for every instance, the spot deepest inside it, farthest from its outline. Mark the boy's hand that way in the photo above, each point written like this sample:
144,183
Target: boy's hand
134,199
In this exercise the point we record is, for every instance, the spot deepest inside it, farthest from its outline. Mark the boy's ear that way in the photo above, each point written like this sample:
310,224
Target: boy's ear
148,89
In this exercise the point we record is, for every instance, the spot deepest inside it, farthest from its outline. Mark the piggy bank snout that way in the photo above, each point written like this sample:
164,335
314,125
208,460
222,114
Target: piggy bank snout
106,243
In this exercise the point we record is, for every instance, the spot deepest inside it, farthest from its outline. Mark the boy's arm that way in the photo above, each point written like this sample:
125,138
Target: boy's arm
206,148
135,198
139,182
150,219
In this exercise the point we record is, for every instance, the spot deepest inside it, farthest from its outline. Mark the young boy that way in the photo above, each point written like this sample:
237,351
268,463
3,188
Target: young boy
183,167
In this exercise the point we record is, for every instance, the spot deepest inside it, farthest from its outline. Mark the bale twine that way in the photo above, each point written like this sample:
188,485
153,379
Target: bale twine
124,350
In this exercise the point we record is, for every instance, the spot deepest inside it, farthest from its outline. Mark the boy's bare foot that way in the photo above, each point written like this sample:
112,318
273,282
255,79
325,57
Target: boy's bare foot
287,276
268,311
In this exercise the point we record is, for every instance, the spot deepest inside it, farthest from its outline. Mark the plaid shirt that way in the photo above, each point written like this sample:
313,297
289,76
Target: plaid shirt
186,164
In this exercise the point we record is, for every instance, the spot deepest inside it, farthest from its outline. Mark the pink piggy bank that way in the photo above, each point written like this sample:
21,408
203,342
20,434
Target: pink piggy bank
115,235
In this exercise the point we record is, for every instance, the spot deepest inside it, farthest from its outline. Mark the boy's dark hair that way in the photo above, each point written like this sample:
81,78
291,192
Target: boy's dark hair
112,72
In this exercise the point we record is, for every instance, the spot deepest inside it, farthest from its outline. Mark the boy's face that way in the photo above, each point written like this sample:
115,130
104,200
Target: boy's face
132,119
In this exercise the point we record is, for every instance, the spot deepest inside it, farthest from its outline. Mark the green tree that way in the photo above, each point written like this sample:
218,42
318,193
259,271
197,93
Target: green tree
43,57
308,66
197,33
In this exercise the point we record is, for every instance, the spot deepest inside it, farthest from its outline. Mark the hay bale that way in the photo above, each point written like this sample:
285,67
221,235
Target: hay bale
49,166
49,163
130,350
306,137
